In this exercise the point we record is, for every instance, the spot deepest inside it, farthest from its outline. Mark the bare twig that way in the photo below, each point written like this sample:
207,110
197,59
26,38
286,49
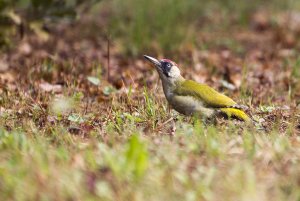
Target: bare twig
163,124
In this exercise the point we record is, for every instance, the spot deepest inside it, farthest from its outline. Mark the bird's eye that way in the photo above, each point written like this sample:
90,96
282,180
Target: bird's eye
169,65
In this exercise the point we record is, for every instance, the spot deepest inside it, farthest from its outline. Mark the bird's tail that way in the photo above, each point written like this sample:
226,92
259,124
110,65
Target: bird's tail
237,113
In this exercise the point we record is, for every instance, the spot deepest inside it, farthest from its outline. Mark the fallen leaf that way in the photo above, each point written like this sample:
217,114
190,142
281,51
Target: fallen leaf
3,65
25,48
108,90
62,105
228,85
94,80
7,77
236,79
46,87
260,21
76,118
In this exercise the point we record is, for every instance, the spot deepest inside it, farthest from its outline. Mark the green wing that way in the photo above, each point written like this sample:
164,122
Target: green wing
204,93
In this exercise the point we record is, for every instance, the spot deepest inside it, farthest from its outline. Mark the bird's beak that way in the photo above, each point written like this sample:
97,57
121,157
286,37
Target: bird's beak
153,60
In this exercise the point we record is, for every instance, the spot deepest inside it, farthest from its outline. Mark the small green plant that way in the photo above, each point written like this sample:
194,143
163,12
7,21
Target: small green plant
130,163
136,156
296,69
149,103
12,140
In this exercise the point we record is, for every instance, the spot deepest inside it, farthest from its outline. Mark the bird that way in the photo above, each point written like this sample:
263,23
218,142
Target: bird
189,97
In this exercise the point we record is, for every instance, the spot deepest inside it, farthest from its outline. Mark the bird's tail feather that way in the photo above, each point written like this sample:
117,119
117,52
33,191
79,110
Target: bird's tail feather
237,113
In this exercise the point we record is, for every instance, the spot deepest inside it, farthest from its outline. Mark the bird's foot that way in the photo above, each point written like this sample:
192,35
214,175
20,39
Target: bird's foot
173,128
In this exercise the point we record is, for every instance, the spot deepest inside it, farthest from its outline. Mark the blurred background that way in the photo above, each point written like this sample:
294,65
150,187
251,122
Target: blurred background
195,33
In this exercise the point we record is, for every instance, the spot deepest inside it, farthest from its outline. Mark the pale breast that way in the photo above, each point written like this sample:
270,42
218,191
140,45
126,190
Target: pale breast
188,105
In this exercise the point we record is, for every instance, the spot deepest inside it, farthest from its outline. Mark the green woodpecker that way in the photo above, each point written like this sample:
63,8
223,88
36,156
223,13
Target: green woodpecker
189,97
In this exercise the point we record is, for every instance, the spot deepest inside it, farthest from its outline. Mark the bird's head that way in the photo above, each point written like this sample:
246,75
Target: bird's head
167,69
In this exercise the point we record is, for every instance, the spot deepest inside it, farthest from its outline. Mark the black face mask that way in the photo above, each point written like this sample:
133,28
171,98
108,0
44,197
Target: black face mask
166,67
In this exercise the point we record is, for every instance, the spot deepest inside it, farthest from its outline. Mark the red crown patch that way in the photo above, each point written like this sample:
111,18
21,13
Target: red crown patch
168,60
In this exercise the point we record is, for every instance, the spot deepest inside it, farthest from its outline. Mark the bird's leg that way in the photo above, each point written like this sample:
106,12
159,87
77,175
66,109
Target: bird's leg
173,128
218,117
174,119
169,108
211,120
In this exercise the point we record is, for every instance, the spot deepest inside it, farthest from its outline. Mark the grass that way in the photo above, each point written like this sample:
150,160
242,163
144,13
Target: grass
122,156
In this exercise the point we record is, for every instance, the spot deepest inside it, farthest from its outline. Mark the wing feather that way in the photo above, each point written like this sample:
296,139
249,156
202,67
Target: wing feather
206,94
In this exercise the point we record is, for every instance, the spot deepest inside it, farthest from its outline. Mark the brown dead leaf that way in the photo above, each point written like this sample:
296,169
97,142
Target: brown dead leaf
25,48
5,111
260,21
289,20
3,65
7,77
46,87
